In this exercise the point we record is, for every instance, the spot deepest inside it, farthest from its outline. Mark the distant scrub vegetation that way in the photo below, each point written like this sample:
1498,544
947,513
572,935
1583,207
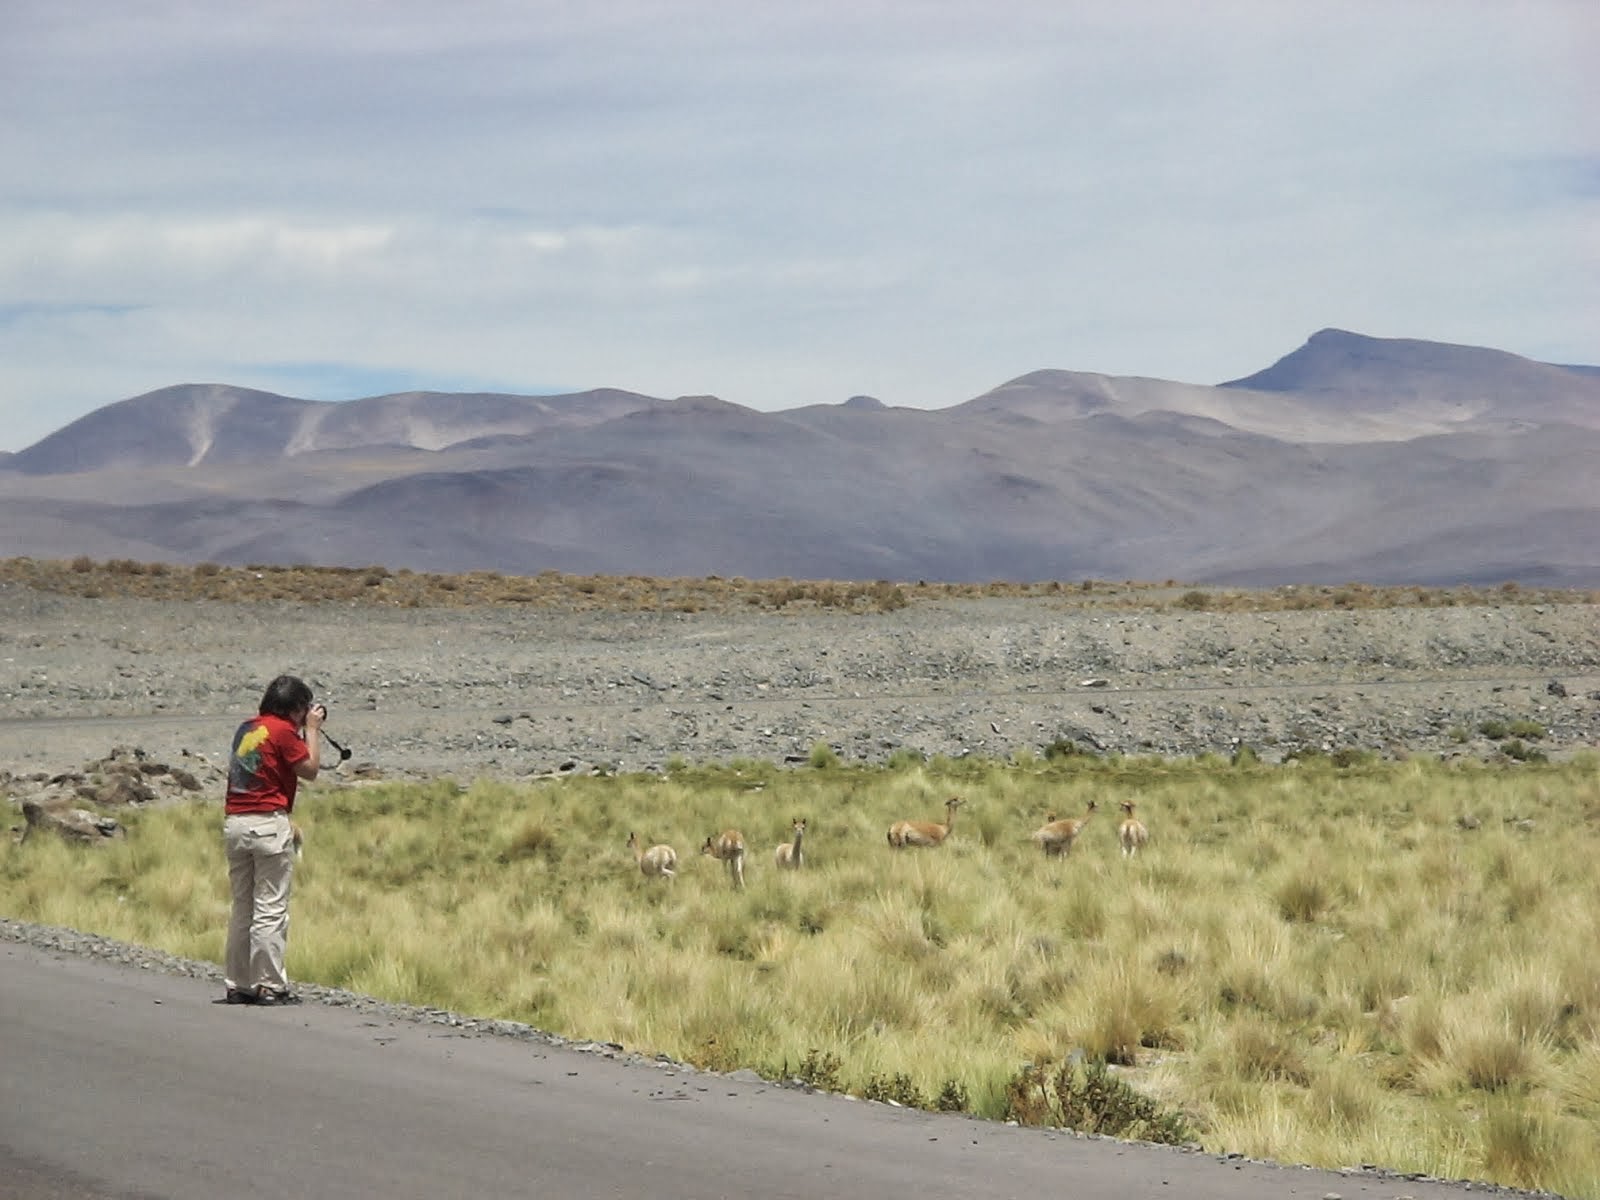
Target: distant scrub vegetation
120,577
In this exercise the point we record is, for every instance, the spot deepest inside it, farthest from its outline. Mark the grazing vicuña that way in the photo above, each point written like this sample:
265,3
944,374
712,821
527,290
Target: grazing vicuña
728,846
925,833
1056,837
1131,833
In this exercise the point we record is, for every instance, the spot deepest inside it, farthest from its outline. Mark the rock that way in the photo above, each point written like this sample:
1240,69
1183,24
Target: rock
73,824
118,790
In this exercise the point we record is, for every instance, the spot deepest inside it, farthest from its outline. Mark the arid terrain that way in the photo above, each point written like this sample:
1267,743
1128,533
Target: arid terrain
466,686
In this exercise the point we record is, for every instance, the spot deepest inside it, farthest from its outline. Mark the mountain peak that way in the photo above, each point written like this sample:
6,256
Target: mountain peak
1336,360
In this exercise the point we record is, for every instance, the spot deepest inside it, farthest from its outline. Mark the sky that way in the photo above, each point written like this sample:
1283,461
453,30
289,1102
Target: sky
777,203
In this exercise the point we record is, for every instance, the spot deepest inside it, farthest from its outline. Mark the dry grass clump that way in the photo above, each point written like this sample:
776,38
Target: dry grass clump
302,583
1412,1008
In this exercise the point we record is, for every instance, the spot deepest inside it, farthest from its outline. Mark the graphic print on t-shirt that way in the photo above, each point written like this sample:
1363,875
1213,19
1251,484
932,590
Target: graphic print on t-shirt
244,769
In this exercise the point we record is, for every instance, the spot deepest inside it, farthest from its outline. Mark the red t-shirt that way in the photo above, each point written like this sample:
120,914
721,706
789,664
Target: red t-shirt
261,778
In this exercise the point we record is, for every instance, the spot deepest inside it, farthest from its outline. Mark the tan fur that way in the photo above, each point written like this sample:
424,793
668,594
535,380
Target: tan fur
789,856
658,862
1131,833
1056,837
925,833
297,837
728,847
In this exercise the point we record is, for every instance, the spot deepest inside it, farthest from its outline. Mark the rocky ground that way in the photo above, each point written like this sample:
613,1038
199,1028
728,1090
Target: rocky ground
511,691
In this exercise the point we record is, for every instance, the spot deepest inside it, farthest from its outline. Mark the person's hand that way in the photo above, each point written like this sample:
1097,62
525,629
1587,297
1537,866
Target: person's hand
315,716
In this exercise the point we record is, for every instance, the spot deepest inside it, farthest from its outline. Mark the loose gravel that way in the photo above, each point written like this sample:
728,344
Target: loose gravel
510,692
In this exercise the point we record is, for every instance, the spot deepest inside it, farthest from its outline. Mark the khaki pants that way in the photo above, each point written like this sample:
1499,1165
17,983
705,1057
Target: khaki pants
260,865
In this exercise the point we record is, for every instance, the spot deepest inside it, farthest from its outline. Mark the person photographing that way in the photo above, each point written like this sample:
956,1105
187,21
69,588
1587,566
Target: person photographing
272,752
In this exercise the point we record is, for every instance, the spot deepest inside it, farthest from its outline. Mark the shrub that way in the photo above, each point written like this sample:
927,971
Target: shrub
1195,601
823,756
887,597
1519,750
817,1069
1064,747
1090,1099
898,1088
953,1097
1494,730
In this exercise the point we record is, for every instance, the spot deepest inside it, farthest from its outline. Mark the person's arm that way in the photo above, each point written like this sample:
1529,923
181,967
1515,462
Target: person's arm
308,766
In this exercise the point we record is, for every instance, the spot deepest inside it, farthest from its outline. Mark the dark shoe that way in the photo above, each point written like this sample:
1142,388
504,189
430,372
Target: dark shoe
239,996
270,997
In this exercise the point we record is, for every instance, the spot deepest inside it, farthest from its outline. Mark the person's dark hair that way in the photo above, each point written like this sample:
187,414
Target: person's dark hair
285,696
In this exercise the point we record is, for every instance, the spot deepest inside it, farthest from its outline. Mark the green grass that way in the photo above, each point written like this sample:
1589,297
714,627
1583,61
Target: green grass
1310,963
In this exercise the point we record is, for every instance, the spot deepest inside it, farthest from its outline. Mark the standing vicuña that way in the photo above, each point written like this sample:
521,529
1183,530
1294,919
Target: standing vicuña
925,833
1131,833
659,862
729,847
1056,837
789,854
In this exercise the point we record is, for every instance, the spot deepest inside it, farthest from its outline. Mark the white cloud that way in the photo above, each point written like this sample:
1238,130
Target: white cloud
778,203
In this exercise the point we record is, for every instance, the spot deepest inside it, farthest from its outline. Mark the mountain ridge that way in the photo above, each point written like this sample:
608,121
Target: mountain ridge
1349,455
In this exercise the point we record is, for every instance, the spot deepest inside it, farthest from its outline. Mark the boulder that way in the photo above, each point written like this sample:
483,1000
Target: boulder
73,824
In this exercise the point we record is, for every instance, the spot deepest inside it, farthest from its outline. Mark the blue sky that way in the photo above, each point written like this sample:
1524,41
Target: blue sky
777,203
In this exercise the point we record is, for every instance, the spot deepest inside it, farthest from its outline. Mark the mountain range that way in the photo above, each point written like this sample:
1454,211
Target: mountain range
1353,458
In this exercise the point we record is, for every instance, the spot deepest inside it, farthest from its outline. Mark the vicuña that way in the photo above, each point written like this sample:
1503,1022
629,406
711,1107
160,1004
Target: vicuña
1056,837
658,862
788,855
1131,833
925,833
728,847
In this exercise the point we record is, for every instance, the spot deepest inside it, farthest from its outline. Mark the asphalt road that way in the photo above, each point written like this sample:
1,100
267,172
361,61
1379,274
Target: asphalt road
118,1083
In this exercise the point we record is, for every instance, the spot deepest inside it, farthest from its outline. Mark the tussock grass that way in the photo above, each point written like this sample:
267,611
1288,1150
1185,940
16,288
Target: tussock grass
1307,963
